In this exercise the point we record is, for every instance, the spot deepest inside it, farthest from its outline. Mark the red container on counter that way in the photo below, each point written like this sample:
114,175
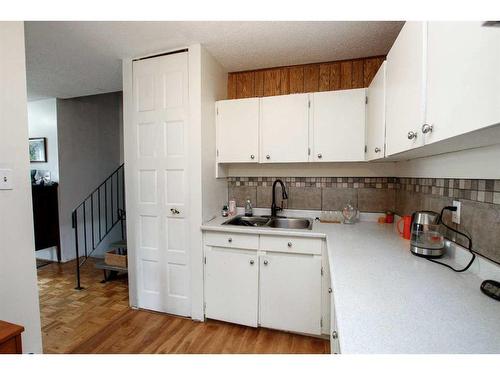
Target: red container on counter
389,217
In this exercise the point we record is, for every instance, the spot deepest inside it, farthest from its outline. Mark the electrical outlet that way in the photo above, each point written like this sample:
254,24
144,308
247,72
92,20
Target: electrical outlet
455,215
5,179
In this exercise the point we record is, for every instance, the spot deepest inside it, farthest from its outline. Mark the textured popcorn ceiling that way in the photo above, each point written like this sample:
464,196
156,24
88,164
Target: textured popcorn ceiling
68,59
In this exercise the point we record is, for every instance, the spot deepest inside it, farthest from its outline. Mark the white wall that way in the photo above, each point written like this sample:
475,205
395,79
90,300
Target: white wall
18,282
42,122
207,84
482,163
372,169
89,136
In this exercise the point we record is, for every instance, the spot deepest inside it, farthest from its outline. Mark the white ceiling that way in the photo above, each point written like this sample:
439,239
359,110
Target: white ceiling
68,59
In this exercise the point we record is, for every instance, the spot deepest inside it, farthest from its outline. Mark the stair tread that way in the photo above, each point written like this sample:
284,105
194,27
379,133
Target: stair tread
122,244
102,265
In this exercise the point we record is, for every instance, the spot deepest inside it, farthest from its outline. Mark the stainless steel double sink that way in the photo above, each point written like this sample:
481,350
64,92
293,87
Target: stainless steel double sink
270,222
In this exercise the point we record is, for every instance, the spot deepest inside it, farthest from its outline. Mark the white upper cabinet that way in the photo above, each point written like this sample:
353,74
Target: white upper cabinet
405,95
237,130
375,116
463,78
284,128
338,125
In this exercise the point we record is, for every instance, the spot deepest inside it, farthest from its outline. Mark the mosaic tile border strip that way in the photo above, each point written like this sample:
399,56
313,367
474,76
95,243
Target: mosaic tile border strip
320,182
479,190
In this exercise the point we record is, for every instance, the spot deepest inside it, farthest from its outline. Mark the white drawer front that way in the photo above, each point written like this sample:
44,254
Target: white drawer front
285,244
234,240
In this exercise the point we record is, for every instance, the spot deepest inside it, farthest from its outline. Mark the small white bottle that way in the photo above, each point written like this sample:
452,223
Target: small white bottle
232,207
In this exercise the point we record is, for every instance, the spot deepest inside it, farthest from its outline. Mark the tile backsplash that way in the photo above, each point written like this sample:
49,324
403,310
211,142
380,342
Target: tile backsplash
480,216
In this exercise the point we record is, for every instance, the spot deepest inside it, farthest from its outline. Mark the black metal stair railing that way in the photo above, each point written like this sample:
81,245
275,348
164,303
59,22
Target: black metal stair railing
100,212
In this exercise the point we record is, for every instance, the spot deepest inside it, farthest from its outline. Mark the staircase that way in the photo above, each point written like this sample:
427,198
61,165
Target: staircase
95,218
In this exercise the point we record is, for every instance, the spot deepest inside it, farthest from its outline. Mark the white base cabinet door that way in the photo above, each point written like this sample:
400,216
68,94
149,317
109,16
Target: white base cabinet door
238,130
338,125
375,116
232,285
284,128
463,78
290,297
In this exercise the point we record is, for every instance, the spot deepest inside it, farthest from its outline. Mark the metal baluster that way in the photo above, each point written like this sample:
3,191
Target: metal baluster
106,204
99,211
92,219
85,228
112,204
75,226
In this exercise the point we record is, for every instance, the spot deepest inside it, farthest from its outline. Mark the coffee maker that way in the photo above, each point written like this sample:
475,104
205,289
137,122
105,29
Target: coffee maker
426,237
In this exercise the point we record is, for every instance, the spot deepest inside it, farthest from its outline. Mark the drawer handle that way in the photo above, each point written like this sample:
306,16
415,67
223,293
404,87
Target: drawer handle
320,156
229,240
265,263
268,157
252,262
252,157
289,244
335,335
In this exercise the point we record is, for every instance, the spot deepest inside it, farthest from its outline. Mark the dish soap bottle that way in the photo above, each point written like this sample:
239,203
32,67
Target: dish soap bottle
248,208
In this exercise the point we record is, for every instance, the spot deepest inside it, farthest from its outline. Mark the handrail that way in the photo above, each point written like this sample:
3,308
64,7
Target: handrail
117,177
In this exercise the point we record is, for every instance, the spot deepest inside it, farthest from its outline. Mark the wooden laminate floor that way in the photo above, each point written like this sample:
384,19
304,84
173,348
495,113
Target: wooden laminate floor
98,320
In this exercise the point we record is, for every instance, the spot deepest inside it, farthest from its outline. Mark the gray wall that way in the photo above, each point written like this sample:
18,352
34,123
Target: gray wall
89,139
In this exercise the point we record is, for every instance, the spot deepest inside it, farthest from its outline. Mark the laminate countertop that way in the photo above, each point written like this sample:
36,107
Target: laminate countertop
387,300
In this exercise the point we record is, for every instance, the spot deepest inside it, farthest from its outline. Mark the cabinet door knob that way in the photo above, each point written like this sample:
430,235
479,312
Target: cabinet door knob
289,244
229,240
252,262
268,157
426,128
175,211
330,290
252,157
335,335
320,156
412,135
265,263
377,150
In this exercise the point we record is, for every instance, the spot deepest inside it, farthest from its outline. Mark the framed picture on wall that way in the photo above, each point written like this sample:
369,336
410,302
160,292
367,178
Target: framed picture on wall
38,150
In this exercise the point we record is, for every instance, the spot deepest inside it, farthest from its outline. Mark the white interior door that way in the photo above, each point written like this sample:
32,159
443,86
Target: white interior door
338,125
232,285
158,183
284,128
405,89
290,292
375,116
463,78
238,130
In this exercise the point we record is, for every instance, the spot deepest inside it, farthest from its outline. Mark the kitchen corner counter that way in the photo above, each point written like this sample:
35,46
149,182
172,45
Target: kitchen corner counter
390,301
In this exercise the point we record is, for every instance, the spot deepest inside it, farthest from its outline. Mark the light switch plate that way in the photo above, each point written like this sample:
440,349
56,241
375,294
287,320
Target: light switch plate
5,179
455,215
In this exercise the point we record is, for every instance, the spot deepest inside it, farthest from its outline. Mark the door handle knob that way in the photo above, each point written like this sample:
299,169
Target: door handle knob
377,149
252,157
426,128
268,157
412,135
266,263
251,262
320,156
175,211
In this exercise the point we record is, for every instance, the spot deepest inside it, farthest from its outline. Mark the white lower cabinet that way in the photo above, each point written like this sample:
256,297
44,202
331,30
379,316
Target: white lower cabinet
280,285
232,285
290,292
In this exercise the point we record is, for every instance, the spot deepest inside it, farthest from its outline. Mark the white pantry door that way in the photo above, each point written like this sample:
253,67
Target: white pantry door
160,184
